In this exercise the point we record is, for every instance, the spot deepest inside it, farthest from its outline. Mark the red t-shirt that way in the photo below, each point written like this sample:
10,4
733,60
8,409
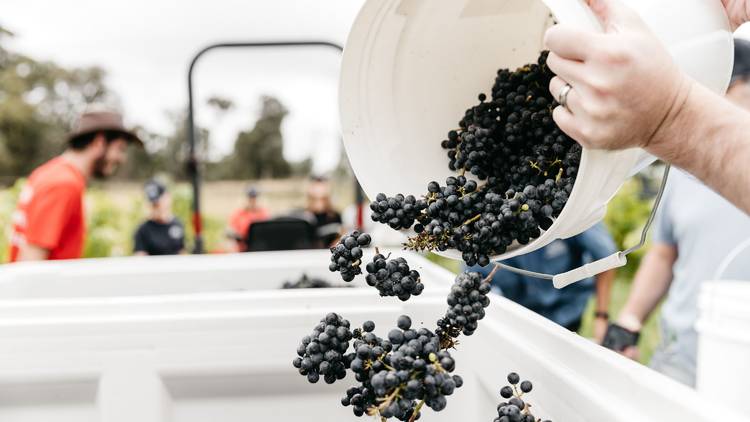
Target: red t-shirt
50,211
241,220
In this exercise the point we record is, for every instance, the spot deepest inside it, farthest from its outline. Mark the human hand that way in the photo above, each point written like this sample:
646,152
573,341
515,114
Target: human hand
625,86
738,11
600,329
631,352
622,340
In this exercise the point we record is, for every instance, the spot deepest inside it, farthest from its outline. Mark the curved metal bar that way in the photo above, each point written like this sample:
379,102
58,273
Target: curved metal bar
192,164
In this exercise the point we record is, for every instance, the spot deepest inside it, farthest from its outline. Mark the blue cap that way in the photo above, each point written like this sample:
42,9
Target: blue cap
252,192
154,190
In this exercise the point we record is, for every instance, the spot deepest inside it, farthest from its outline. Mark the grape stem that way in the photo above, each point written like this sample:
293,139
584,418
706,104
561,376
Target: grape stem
491,274
416,411
472,219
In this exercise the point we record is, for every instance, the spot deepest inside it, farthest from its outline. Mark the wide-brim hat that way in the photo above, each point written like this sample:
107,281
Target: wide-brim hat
102,120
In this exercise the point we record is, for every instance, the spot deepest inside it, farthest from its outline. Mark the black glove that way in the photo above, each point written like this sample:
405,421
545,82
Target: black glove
619,338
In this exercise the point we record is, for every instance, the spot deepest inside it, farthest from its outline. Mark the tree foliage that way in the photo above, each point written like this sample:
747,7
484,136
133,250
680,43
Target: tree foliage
258,153
38,102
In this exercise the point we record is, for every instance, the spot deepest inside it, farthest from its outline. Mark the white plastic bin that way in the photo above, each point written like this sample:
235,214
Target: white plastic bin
227,357
186,274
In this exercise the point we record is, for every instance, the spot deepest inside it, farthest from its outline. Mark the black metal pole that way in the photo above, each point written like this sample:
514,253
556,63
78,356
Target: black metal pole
193,167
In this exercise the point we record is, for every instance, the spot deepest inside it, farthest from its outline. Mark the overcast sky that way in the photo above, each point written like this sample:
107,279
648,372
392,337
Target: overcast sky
146,45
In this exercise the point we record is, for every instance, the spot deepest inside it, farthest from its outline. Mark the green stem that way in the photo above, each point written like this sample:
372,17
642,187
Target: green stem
472,219
416,411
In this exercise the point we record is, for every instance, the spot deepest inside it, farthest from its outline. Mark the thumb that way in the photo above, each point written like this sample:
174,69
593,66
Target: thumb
612,14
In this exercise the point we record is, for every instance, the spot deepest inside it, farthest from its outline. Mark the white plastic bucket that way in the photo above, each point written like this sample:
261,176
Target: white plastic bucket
723,367
412,67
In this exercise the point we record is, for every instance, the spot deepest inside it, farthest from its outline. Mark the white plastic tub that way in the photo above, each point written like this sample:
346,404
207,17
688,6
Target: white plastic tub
187,274
411,69
723,370
227,357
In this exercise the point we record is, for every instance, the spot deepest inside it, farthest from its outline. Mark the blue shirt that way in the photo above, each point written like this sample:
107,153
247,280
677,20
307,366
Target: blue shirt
564,306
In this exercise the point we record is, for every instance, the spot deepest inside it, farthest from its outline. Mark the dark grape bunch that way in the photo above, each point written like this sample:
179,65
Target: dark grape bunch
323,353
525,164
398,212
515,409
401,374
393,277
466,303
346,256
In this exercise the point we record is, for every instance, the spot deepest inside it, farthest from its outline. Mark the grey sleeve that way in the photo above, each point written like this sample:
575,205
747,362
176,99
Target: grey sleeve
663,229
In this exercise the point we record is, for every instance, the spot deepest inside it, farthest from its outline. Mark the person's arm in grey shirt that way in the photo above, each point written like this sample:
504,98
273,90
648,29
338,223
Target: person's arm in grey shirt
653,278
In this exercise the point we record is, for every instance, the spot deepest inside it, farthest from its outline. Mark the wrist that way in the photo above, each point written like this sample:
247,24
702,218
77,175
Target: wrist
601,315
630,322
664,141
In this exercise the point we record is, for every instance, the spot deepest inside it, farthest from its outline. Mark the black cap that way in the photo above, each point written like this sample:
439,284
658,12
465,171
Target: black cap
154,190
741,70
251,192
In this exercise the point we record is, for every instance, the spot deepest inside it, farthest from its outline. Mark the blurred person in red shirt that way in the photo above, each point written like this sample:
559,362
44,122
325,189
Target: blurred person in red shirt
241,220
49,219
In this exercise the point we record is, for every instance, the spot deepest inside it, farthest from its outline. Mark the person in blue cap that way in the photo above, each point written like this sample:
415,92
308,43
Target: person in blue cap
162,233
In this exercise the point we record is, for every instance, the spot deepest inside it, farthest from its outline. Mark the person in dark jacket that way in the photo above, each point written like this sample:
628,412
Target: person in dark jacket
162,233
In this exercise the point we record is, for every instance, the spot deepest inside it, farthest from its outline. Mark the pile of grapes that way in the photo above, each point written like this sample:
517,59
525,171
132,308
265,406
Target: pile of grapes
526,167
406,370
515,409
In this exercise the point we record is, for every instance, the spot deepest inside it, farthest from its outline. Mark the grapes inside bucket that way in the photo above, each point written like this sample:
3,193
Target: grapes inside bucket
411,70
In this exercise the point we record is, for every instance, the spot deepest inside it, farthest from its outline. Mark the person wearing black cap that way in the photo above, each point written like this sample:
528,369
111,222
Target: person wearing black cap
49,220
242,218
162,233
694,231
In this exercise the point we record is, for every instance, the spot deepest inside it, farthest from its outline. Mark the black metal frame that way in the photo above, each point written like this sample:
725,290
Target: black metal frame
192,164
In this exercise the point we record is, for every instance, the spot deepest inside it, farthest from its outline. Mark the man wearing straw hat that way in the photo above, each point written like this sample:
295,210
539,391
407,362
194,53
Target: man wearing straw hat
621,89
49,219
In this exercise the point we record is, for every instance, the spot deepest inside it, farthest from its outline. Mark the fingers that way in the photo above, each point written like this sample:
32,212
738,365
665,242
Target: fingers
569,43
567,123
574,98
631,353
603,9
569,70
613,14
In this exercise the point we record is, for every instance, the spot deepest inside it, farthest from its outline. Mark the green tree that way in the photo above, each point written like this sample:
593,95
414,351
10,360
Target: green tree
38,102
258,153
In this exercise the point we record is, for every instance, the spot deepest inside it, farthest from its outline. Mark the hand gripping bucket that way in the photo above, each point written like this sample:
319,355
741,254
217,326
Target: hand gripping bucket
412,67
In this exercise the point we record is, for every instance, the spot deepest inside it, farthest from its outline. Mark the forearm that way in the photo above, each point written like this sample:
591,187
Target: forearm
31,252
709,137
650,285
604,283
